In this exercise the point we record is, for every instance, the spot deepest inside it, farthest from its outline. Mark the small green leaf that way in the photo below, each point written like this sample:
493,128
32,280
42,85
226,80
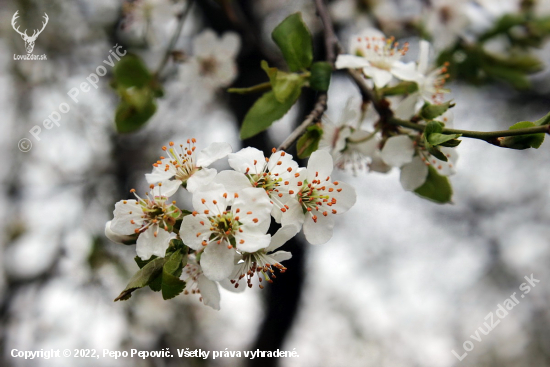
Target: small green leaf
436,153
285,85
320,76
309,142
431,111
263,113
129,118
399,89
294,39
543,120
433,127
516,78
437,188
452,143
142,263
439,139
173,265
131,71
142,278
523,141
171,285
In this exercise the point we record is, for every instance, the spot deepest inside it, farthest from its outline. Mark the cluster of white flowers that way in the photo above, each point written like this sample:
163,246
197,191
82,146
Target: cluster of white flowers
357,147
226,232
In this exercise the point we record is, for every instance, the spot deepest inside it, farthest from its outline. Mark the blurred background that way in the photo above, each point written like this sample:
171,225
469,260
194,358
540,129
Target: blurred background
402,282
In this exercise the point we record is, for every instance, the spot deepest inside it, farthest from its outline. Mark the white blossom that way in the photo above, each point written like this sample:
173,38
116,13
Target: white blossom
186,167
430,83
217,230
401,151
278,175
213,62
319,199
151,218
376,55
261,263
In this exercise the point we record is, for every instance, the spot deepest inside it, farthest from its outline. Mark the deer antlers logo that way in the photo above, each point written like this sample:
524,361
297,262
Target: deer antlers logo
29,40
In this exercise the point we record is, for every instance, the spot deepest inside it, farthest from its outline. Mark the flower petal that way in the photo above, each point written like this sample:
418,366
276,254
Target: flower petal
318,232
190,228
398,151
280,237
350,62
148,244
125,212
163,171
319,166
233,181
168,188
406,71
254,210
217,261
281,256
200,179
413,174
345,198
212,153
380,77
118,238
209,292
251,242
248,158
293,215
209,199
229,45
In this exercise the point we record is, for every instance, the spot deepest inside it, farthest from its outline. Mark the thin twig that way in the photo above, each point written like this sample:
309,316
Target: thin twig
487,136
314,116
332,45
175,37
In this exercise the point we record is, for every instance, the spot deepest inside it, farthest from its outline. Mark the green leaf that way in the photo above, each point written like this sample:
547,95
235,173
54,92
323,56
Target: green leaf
543,120
431,111
437,188
263,113
131,71
523,141
309,142
399,89
173,265
320,76
285,85
294,39
171,284
436,153
142,263
438,139
129,118
142,278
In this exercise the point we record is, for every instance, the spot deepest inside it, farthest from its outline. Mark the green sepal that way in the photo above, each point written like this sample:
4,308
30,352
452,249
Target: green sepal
309,142
437,188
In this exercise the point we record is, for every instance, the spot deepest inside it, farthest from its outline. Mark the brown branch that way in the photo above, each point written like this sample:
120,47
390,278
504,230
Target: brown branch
332,45
181,20
314,116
